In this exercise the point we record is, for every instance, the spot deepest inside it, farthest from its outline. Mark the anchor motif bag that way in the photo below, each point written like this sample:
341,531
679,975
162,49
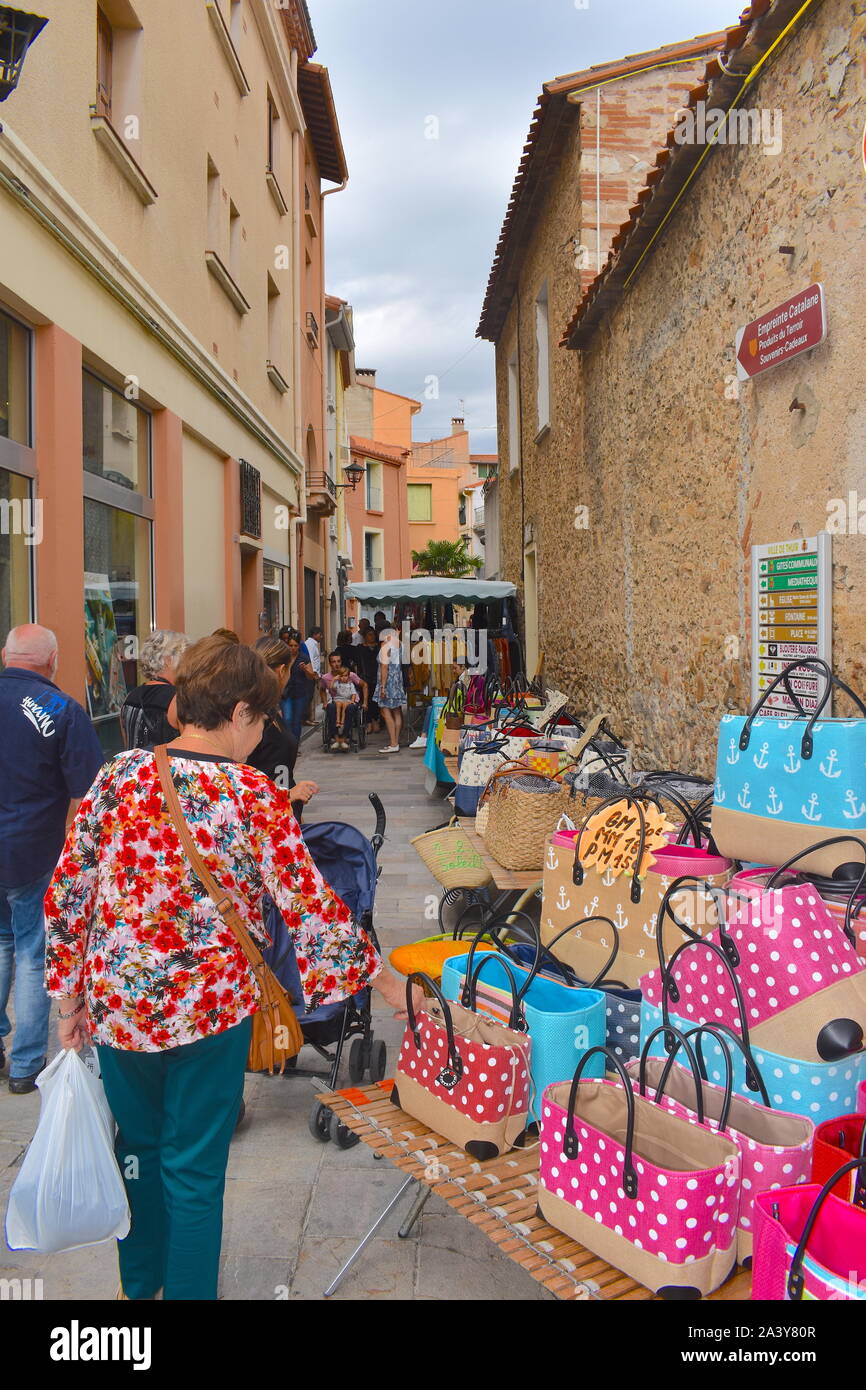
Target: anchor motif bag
464,1075
784,784
613,1164
632,903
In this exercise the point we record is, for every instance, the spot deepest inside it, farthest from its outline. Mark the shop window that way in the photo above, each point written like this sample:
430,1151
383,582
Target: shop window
542,338
116,437
420,496
14,381
17,539
118,612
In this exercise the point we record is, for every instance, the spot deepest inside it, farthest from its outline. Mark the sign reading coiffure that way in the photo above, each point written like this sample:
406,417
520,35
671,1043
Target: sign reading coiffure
781,333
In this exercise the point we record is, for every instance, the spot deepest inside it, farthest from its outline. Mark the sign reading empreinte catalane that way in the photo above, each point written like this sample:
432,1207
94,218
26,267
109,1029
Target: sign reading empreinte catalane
781,333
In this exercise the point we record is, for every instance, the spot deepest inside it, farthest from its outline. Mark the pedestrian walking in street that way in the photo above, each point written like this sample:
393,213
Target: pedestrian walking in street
390,691
301,680
277,752
148,715
49,755
147,968
314,650
367,662
364,626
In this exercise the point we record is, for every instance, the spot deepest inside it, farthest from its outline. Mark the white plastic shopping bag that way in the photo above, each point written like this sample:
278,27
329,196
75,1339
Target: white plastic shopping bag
69,1191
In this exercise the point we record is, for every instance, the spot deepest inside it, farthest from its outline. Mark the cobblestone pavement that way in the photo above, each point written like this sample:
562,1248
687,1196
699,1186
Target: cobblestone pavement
295,1208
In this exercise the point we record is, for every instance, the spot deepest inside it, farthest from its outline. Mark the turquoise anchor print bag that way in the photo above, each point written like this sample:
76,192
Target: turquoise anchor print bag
783,784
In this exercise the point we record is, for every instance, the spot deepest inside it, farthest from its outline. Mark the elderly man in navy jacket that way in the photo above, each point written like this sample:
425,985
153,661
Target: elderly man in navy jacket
49,755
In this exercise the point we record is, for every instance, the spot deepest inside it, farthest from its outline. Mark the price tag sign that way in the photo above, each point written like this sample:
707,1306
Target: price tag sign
611,840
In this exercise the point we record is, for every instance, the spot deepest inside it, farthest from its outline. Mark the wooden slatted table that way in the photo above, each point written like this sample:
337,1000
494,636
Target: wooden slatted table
498,1196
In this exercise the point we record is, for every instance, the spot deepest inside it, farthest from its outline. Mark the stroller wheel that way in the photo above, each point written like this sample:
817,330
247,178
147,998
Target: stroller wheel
378,1059
342,1136
359,1059
320,1122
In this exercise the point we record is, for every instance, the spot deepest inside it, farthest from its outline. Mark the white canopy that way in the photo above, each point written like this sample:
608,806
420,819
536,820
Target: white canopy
423,588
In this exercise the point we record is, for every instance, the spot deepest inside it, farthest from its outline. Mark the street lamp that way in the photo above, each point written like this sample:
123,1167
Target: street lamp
17,32
354,473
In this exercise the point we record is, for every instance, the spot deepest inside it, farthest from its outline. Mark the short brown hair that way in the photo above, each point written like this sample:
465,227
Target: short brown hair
274,650
215,675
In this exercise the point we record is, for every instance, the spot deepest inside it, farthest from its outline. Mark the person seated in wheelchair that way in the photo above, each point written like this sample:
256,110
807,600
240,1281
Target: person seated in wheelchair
343,695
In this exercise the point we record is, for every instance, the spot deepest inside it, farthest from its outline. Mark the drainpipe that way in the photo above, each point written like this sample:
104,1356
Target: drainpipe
301,519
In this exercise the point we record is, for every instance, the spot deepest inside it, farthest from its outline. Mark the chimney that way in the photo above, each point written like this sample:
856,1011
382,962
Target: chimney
458,424
366,375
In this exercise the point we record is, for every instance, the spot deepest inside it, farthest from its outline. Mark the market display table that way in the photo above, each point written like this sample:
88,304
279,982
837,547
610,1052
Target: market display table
499,1196
506,879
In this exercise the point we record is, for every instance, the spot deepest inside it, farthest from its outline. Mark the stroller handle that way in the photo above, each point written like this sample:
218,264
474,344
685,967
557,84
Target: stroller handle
378,837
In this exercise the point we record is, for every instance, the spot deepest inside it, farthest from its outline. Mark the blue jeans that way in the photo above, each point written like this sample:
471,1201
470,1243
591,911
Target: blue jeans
293,713
22,943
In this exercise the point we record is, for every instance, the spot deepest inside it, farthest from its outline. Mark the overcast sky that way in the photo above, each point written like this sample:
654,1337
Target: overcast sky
410,241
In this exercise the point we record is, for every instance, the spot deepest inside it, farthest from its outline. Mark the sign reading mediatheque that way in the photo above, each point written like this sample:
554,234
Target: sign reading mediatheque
791,619
782,333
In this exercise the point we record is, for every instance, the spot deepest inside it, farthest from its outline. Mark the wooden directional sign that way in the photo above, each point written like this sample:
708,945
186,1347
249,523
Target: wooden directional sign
791,588
782,332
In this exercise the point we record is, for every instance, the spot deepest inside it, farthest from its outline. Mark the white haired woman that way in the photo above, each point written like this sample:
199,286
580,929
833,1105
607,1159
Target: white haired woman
148,715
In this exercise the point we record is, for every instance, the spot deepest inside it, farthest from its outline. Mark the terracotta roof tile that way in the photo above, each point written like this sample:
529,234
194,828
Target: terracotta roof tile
389,452
320,113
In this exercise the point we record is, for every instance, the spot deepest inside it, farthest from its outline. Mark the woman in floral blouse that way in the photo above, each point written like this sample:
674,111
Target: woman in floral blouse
144,965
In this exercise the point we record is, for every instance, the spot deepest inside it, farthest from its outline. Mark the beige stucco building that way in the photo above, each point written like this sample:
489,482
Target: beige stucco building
162,324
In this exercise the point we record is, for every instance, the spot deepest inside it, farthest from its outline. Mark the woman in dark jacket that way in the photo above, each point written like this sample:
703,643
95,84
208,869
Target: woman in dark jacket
148,714
276,754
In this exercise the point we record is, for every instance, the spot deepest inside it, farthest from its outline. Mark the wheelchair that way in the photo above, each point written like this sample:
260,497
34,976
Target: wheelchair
357,736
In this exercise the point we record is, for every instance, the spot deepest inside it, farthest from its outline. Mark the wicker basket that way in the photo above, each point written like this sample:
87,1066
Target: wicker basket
524,808
451,858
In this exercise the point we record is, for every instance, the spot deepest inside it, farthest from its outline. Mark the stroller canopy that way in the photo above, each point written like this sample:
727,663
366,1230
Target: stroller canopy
345,859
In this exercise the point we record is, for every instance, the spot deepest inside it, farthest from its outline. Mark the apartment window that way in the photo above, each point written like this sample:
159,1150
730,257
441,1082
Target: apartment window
273,134
420,496
277,339
513,414
542,340
118,541
373,482
104,63
234,241
214,208
236,21
372,556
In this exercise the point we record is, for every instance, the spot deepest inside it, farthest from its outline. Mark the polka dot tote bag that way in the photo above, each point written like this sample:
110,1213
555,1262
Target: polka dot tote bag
647,1190
464,1075
810,1086
775,1147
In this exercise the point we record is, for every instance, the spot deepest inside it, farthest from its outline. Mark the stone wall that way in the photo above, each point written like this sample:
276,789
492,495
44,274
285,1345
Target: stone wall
681,471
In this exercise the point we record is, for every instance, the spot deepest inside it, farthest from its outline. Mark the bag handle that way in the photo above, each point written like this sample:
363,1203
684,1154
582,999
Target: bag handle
681,1042
490,928
608,965
577,871
612,763
719,897
818,667
516,1021
796,1282
822,844
719,1029
687,811
670,991
571,1144
450,1074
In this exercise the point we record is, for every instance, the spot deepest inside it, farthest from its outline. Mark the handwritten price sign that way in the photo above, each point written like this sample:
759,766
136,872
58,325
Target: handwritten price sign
611,840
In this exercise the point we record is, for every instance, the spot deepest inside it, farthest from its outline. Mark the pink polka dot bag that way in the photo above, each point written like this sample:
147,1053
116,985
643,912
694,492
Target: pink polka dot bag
775,1147
653,1193
463,1074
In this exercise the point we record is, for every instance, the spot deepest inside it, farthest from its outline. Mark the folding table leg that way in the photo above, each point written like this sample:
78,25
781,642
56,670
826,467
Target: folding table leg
421,1200
368,1237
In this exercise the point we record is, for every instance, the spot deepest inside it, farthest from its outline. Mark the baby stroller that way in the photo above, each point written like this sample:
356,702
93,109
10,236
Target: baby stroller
347,861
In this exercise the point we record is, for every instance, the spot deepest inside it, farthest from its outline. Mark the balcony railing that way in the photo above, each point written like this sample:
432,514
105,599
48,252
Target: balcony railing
322,482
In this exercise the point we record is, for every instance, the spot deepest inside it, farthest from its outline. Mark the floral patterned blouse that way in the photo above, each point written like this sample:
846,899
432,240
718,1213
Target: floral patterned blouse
160,967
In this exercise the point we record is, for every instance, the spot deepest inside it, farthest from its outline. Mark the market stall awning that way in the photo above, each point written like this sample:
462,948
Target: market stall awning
425,588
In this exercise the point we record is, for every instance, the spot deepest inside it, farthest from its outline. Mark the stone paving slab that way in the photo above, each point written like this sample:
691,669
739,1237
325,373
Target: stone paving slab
295,1208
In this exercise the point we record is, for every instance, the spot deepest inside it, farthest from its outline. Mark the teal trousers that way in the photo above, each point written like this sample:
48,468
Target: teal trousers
176,1112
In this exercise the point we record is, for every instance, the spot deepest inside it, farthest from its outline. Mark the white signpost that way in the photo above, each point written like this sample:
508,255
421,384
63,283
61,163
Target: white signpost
791,617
